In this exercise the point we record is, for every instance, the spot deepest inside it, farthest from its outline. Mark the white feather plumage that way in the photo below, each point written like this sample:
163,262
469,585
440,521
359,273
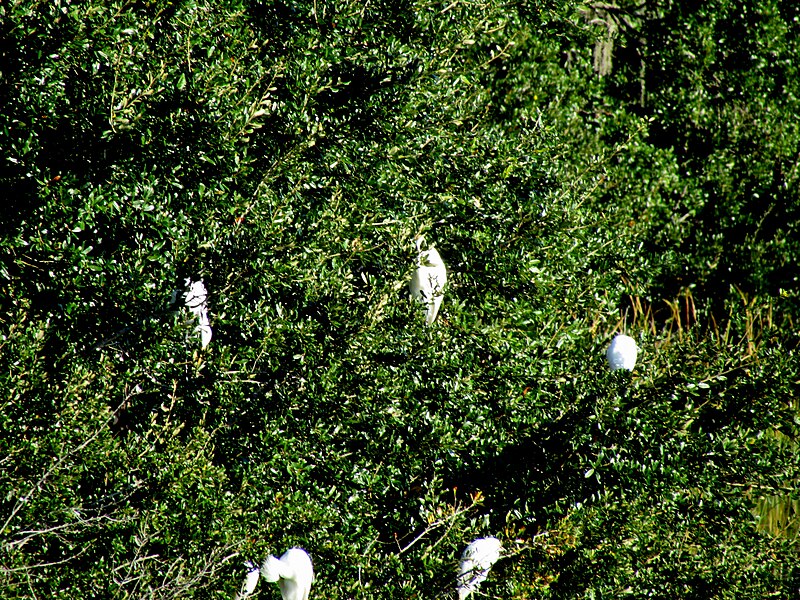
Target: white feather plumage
621,353
250,581
476,561
427,283
293,572
204,327
194,298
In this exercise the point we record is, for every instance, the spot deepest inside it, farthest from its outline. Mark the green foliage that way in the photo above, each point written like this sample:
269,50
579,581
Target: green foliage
581,169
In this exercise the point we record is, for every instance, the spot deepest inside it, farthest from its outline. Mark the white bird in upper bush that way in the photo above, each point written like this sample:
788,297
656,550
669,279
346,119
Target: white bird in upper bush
621,353
430,277
293,572
476,560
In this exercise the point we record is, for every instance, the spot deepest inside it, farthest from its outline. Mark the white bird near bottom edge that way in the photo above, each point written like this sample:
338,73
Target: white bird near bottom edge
293,572
250,581
476,561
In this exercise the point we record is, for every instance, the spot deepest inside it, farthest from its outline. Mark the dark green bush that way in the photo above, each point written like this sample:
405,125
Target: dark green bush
582,170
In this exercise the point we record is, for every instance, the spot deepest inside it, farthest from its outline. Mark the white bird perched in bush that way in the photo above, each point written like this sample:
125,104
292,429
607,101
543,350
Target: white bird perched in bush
476,560
621,353
250,581
194,298
293,572
204,327
430,277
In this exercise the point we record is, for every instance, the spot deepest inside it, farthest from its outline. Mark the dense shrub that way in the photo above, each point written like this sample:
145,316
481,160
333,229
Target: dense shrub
581,169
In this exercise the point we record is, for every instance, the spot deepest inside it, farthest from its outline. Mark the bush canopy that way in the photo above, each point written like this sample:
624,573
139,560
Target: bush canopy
583,169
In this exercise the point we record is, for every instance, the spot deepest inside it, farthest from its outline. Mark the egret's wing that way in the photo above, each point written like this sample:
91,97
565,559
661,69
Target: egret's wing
295,589
196,297
433,309
273,569
301,564
437,278
296,574
621,353
250,581
476,561
204,327
427,283
417,289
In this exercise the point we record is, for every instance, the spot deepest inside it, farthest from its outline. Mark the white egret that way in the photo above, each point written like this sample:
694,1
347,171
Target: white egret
427,284
194,298
204,327
292,571
476,560
250,581
621,353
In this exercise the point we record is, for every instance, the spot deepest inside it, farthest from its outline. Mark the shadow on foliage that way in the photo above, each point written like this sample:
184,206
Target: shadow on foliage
736,237
537,471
